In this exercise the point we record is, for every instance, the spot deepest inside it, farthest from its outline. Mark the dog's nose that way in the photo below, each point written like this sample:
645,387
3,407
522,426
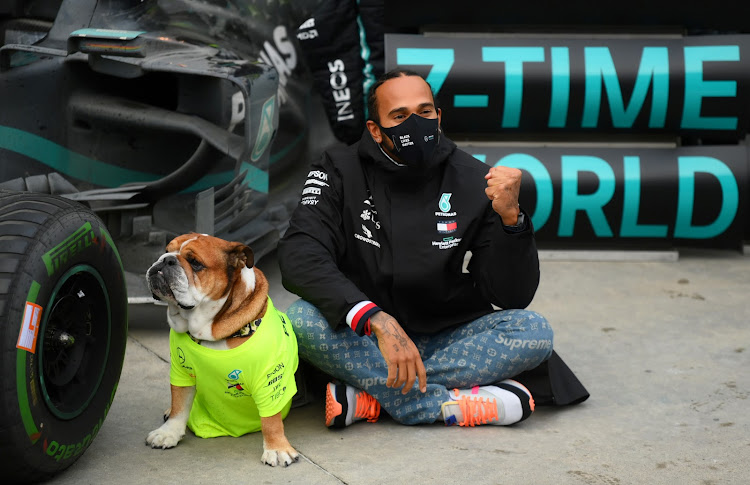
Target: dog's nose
167,260
155,268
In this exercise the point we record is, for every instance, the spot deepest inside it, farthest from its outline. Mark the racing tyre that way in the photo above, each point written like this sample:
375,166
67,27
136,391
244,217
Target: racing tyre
63,330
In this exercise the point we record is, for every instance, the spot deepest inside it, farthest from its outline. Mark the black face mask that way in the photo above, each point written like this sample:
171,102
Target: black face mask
414,140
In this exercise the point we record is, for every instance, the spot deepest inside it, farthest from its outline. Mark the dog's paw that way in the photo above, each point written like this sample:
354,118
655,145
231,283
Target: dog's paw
279,457
163,438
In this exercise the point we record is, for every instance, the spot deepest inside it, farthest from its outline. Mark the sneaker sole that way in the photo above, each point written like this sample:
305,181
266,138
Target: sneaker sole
335,412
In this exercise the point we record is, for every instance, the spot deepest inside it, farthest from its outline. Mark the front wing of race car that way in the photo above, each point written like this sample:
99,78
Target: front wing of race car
158,135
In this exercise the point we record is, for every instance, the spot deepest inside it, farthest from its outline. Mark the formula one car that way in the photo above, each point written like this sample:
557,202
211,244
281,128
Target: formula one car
122,124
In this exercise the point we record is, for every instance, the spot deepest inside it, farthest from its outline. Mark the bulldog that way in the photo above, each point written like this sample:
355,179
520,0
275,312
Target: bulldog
224,329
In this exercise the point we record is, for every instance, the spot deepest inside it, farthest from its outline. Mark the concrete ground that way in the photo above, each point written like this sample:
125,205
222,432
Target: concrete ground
662,346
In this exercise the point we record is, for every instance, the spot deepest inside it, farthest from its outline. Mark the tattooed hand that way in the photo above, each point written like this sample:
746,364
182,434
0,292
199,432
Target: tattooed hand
401,355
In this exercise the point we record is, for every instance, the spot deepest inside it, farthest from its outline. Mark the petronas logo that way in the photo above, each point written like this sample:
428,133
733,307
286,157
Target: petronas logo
445,204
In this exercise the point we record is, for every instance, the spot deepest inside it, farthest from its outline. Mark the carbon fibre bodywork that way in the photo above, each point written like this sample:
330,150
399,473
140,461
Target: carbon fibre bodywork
164,116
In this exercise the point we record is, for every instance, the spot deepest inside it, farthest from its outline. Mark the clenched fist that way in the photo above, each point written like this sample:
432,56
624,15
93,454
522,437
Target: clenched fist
503,186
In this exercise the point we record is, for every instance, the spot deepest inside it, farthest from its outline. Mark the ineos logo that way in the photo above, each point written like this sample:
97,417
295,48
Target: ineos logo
341,93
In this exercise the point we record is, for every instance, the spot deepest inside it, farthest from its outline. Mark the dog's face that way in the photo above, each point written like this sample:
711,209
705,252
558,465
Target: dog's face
195,276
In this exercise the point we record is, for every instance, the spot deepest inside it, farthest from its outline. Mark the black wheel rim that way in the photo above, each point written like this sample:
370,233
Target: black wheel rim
75,337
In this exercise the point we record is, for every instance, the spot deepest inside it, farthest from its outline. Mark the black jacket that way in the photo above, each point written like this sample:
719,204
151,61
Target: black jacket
367,229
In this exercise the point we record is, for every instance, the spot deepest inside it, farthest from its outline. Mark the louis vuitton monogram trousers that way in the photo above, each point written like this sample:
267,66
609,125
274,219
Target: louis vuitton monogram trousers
497,346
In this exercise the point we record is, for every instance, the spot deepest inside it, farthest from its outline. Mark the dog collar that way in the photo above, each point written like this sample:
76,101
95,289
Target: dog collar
246,331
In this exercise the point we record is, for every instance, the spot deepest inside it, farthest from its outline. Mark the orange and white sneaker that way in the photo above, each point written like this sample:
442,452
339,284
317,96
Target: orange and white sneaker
505,403
346,404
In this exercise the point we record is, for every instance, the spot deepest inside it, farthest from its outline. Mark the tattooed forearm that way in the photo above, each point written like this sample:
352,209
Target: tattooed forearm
390,327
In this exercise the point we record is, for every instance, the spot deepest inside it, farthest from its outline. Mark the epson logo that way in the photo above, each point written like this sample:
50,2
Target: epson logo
318,174
341,94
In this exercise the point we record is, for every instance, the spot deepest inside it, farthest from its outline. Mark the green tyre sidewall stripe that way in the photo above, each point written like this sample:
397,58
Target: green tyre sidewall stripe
37,442
23,395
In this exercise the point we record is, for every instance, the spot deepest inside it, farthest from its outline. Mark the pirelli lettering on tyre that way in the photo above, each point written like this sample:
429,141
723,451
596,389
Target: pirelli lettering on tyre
74,244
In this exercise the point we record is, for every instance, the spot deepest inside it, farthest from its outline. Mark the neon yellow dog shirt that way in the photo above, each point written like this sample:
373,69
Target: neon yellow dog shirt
236,387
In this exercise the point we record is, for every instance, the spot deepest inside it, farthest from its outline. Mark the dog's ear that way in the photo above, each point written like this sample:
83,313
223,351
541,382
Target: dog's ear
240,254
249,256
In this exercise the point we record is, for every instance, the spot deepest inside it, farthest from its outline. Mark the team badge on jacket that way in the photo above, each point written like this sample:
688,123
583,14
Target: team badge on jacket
314,186
445,202
369,214
446,227
446,223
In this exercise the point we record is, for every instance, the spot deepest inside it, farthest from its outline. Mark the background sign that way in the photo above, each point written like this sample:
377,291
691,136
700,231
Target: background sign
500,86
622,94
620,196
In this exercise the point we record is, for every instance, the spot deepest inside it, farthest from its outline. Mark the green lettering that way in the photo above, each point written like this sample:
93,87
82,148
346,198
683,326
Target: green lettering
52,448
62,451
57,256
